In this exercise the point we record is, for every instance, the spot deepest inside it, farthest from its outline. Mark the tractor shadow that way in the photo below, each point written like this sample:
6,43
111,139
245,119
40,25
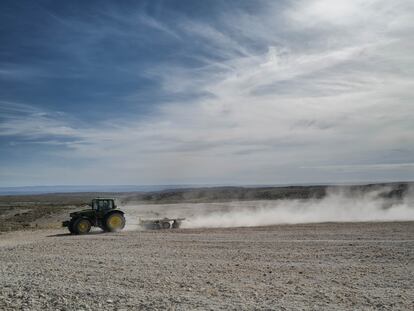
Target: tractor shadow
62,235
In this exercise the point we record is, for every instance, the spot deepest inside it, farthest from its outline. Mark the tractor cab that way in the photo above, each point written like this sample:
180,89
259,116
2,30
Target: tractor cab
103,204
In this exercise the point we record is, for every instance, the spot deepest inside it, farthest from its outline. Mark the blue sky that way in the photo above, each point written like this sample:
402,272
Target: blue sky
206,92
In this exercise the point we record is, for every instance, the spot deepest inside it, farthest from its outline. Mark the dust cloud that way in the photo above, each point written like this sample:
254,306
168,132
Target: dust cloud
338,205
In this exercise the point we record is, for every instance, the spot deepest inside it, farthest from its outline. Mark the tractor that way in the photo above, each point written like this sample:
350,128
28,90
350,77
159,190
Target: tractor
103,213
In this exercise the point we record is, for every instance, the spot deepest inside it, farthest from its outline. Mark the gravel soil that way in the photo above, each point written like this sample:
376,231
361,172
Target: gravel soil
331,266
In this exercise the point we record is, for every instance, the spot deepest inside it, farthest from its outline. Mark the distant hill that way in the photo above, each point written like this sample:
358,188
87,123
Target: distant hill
203,194
86,188
221,194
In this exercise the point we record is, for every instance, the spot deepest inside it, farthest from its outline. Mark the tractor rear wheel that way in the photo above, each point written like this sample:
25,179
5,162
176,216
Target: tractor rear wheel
114,222
81,226
176,224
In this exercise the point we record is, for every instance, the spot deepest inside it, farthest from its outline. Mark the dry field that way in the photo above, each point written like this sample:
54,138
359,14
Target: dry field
331,266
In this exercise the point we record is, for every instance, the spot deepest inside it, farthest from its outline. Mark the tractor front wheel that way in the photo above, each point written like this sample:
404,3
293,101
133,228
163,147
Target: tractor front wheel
70,227
114,222
81,226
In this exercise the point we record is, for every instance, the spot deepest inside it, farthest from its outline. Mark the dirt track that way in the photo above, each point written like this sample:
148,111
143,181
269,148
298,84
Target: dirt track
294,267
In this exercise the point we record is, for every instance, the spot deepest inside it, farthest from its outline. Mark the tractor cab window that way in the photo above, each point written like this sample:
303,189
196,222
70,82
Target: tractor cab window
104,204
101,205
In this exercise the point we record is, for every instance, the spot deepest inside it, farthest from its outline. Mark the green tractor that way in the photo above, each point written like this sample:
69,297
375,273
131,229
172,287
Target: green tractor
103,214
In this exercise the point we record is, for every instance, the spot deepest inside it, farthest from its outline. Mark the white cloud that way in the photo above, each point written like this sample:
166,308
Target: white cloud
340,96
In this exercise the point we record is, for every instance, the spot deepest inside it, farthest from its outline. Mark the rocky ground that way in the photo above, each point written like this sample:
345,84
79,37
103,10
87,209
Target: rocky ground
331,266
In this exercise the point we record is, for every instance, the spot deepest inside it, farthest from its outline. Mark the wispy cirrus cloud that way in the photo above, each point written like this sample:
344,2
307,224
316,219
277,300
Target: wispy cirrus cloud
300,92
29,122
